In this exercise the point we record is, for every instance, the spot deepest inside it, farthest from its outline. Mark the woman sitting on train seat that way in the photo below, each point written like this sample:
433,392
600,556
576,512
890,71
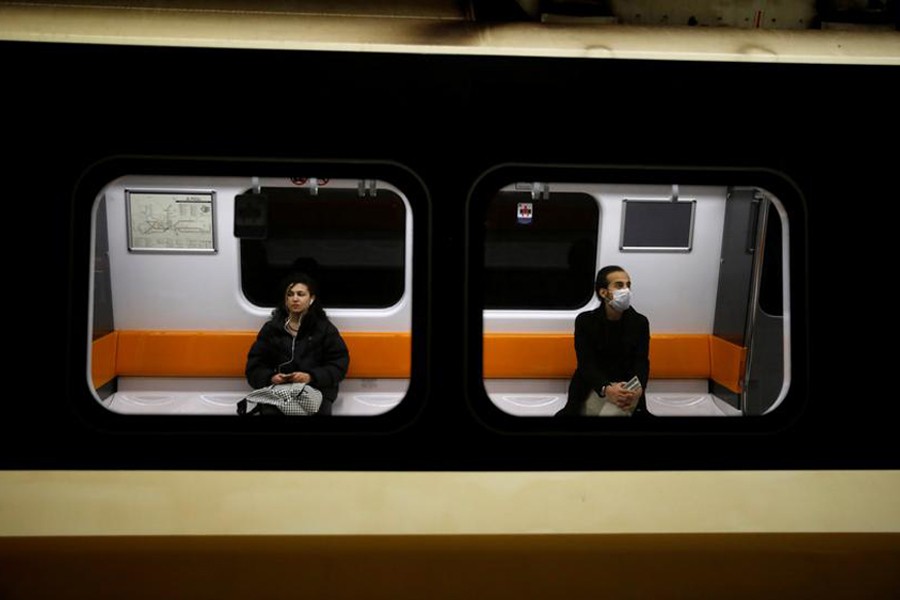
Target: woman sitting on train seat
299,344
612,347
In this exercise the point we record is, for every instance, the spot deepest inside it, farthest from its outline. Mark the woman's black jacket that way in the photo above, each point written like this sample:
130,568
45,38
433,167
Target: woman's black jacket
318,350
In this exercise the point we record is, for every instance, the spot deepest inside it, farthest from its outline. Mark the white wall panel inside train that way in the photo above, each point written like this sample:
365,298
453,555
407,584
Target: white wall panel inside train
675,290
202,291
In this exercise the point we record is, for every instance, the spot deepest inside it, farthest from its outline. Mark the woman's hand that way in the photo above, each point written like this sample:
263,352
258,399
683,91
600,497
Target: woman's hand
279,378
298,377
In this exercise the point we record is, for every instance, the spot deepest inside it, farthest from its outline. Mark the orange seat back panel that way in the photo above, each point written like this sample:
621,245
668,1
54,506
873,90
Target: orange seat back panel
388,355
728,362
224,353
552,356
103,359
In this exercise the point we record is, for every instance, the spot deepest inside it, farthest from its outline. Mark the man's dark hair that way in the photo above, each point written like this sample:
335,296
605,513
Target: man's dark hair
602,280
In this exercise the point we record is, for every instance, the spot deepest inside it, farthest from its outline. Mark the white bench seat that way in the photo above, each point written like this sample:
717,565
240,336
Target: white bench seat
367,397
219,396
665,397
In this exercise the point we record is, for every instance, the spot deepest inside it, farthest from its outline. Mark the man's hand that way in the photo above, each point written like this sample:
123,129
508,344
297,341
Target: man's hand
624,399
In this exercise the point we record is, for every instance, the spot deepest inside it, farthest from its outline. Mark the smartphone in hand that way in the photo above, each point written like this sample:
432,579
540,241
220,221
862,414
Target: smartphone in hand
633,384
285,368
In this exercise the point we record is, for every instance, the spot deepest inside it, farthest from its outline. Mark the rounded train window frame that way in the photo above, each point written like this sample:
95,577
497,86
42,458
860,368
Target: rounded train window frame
790,206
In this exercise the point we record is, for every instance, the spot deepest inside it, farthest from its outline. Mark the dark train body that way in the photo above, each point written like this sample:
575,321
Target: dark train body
440,124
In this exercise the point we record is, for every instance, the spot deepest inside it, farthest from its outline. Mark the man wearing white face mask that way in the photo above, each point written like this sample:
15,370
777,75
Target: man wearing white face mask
612,345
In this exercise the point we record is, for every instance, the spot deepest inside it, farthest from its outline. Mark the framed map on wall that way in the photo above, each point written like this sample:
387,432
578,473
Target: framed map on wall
171,221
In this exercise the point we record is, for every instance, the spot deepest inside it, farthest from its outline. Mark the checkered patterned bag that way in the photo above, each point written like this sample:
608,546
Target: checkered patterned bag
292,399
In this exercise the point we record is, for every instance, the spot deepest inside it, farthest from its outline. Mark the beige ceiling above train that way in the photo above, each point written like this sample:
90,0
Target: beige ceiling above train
751,14
793,31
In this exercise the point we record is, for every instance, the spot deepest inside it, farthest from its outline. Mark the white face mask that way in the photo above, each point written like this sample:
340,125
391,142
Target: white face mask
621,299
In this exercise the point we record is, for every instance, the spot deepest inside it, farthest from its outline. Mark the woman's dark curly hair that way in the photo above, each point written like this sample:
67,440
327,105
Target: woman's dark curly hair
315,311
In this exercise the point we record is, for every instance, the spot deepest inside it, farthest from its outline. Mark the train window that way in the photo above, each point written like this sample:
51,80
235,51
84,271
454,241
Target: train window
714,290
352,243
188,270
549,240
657,225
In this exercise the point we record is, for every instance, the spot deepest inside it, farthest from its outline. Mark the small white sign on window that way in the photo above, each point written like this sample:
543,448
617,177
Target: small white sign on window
525,212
